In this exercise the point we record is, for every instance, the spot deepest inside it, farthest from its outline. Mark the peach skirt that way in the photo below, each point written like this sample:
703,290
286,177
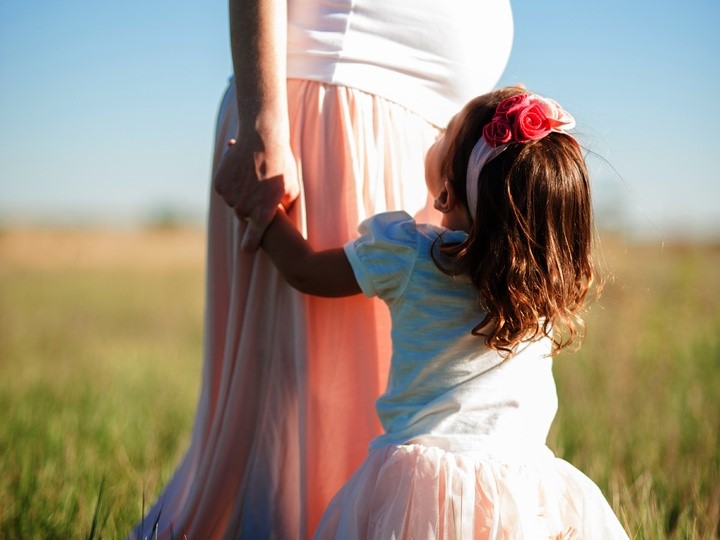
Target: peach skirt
286,408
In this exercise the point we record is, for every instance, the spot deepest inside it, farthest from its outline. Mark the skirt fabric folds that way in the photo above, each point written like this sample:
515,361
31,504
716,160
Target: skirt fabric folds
414,491
286,408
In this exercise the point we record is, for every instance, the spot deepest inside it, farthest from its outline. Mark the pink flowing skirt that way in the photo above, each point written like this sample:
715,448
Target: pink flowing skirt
286,408
414,491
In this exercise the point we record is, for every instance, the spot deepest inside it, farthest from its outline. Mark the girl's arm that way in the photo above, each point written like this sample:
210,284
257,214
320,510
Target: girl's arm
320,273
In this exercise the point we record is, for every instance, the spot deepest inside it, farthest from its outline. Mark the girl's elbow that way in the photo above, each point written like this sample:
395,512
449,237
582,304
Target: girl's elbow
317,287
299,284
299,281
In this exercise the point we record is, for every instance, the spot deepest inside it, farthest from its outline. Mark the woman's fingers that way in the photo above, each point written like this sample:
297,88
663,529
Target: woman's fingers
254,199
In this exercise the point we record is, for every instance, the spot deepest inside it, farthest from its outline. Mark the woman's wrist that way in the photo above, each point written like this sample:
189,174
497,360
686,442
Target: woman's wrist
272,121
268,130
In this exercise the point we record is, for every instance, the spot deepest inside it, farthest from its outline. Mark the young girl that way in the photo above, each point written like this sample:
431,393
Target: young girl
479,306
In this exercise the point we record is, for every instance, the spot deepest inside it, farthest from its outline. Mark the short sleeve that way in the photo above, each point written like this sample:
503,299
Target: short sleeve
384,256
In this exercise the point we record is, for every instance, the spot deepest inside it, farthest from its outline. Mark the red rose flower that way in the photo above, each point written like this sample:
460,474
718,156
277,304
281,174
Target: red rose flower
525,117
531,123
509,106
497,132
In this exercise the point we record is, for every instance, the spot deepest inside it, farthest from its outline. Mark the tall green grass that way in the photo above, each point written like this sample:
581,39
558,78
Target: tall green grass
99,378
640,403
100,369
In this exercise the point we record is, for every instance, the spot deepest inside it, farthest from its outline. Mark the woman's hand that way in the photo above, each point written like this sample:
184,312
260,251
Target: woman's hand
259,171
253,177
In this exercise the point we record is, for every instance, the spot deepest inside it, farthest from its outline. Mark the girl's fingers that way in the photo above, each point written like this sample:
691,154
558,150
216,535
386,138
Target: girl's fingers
264,202
252,238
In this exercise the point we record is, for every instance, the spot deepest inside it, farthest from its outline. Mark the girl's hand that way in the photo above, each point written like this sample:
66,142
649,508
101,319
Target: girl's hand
253,179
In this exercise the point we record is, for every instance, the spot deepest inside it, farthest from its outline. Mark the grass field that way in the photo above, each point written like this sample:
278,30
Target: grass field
100,349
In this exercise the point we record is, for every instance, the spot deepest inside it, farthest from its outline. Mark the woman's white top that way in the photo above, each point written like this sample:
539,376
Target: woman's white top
446,387
430,56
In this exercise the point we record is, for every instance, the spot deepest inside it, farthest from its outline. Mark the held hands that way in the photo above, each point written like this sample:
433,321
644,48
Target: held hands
253,180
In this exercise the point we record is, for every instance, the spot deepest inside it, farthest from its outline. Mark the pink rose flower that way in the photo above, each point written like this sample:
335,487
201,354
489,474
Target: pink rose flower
550,106
556,115
497,132
531,123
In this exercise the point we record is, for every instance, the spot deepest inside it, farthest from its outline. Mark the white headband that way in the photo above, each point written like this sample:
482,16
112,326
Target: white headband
481,153
518,119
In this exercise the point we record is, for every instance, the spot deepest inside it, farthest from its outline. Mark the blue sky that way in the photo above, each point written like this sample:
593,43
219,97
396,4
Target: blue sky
107,108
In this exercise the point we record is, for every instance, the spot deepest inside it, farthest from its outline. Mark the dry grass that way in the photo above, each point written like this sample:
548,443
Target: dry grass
100,348
77,249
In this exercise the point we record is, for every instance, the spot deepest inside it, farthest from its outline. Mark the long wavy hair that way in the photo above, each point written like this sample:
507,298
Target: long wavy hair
528,251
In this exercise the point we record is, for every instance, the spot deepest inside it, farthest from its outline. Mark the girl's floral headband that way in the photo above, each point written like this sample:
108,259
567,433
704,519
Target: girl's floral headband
518,119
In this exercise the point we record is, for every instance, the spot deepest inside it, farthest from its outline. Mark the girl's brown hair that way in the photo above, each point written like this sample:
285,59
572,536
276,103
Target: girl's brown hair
528,251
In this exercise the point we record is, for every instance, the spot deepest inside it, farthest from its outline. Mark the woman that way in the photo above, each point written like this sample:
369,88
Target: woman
332,108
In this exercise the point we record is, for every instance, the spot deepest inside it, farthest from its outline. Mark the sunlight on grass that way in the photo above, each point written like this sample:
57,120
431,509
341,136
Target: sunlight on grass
100,352
99,377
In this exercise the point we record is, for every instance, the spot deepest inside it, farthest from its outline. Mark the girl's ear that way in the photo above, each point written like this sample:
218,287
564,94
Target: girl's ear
440,202
446,200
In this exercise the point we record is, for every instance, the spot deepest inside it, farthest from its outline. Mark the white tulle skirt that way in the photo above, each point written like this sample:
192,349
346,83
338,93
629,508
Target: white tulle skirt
421,492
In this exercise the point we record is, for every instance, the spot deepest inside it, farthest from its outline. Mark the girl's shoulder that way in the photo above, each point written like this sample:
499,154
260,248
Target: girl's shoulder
391,247
397,227
384,256
400,227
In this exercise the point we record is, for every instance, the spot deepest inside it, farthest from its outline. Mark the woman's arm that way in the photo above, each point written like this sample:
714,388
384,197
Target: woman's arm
320,273
258,172
258,43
